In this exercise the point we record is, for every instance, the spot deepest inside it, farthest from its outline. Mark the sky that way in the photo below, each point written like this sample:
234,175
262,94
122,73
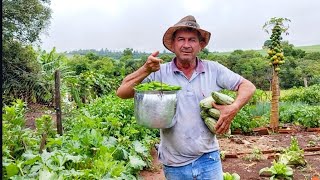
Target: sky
140,24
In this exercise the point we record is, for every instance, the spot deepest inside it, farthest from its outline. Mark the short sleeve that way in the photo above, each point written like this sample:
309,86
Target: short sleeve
228,79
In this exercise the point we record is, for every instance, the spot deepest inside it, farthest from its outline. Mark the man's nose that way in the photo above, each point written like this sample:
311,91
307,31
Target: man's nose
186,44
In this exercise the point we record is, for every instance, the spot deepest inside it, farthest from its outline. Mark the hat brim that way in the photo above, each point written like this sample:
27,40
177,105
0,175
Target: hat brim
167,37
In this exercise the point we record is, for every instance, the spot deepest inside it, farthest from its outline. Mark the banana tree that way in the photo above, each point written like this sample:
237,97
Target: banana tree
276,59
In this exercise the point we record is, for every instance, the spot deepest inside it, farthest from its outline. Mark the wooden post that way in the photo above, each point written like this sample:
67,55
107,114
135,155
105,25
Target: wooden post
57,101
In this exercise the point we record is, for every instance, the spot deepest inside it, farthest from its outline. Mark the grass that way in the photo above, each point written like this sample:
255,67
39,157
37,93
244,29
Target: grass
283,93
312,48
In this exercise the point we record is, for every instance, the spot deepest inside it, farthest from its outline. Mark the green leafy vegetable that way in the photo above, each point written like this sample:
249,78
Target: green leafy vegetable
228,176
155,85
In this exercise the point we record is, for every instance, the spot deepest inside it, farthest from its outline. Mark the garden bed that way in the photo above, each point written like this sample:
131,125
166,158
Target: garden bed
237,147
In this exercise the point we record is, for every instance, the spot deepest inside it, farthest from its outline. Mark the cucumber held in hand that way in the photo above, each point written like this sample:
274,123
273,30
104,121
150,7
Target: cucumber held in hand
206,103
215,113
204,114
211,123
156,86
222,99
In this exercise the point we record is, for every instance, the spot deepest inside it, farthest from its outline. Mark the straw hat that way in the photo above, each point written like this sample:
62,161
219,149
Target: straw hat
188,21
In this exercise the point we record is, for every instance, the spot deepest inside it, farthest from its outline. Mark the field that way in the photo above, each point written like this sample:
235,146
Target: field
313,48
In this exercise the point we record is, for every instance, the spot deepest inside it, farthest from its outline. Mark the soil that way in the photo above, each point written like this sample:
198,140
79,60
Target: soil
238,147
35,111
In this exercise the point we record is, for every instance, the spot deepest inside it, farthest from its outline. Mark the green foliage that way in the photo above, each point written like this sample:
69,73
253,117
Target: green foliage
104,66
101,140
267,43
258,97
309,95
244,121
128,52
89,85
203,53
293,155
250,63
113,118
165,57
45,125
222,59
24,20
93,77
255,69
16,139
22,74
132,65
92,56
289,50
278,170
313,55
228,176
255,155
259,110
156,86
79,64
300,114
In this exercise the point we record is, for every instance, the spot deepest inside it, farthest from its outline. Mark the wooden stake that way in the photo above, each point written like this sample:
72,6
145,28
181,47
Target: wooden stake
57,101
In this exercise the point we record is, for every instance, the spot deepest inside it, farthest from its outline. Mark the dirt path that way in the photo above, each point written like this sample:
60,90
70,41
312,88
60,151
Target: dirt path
237,147
35,111
156,173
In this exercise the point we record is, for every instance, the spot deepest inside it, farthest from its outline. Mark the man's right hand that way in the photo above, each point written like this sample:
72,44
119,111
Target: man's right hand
153,63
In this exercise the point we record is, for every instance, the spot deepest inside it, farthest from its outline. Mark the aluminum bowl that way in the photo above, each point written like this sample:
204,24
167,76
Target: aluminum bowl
155,109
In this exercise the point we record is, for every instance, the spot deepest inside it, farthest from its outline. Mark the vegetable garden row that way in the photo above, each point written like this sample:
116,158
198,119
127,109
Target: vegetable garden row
101,140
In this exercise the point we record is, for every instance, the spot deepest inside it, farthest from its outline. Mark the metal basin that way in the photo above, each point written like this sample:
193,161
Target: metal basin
155,109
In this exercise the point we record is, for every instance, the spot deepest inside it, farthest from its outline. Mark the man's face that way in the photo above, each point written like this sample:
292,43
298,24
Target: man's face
186,45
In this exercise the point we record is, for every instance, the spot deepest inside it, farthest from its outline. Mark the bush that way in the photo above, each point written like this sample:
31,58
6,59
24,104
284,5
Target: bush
299,113
309,95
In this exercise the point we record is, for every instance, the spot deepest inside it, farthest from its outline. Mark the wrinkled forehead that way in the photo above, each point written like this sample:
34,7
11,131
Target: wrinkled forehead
186,32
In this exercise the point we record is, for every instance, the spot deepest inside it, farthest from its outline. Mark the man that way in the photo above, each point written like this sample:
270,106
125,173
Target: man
188,150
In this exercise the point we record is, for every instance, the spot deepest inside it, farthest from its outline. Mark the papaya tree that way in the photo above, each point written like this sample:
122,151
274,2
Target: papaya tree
276,59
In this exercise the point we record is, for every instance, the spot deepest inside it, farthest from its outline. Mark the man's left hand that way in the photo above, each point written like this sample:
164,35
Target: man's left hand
227,113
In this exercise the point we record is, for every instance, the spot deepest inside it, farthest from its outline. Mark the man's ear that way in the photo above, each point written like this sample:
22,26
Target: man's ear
172,46
202,44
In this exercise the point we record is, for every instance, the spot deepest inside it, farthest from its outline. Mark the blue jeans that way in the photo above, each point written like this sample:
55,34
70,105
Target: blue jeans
208,166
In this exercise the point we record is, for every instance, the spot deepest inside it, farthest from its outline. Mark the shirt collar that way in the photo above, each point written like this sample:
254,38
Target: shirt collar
199,68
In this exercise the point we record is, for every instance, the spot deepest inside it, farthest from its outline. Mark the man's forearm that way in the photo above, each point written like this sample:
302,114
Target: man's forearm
126,90
245,92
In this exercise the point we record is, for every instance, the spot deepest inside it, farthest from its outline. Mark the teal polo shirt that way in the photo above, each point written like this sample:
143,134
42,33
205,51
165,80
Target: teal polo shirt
190,138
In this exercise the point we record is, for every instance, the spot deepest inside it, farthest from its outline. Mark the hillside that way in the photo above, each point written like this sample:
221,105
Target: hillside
312,48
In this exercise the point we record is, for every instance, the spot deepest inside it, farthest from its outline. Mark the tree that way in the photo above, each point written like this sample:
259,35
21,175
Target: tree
203,53
289,50
266,44
128,52
276,58
24,20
